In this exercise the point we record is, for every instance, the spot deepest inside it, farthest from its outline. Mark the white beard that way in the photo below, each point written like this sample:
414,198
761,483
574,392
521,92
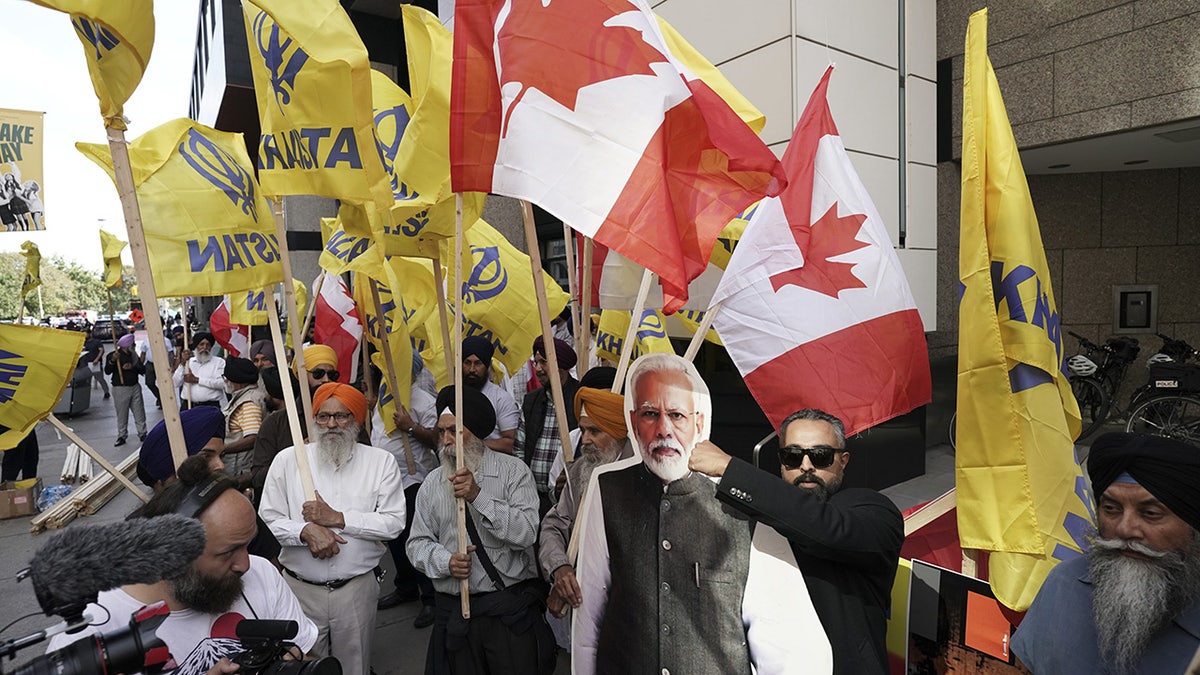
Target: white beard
334,446
203,357
473,450
668,467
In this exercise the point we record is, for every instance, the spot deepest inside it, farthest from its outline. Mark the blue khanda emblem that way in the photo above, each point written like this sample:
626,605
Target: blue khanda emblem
281,54
390,124
100,38
221,169
651,326
488,277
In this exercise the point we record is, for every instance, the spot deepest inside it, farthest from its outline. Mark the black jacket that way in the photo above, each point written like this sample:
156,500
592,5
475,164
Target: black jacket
128,376
847,548
533,412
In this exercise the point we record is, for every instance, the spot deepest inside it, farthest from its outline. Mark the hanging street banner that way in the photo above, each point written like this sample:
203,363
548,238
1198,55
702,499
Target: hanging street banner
21,208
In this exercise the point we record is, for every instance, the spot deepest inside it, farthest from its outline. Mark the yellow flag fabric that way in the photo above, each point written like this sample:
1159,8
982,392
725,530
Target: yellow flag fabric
389,331
250,308
651,336
706,71
1021,492
423,156
209,229
110,248
499,301
346,251
691,319
421,312
117,40
301,293
33,267
312,79
36,364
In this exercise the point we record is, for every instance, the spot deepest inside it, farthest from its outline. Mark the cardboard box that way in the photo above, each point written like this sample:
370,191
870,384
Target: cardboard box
19,498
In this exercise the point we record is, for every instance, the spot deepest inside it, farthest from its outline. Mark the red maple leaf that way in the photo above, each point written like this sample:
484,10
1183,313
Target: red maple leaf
827,238
563,46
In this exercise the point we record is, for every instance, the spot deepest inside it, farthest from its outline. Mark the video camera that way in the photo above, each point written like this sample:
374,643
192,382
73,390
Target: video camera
266,643
134,648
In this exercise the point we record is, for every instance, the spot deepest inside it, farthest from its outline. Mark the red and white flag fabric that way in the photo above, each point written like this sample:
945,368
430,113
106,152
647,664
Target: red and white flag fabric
336,324
234,339
816,311
578,106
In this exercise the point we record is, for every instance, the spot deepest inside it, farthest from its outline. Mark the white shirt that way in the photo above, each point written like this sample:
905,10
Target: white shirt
366,490
508,413
211,386
421,409
144,351
782,629
196,640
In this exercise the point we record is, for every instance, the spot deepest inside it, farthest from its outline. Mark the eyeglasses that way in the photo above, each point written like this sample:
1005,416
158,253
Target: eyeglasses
821,456
319,373
339,417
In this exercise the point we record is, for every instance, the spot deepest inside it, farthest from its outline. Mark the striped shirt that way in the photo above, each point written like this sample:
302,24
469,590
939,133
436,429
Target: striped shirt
505,512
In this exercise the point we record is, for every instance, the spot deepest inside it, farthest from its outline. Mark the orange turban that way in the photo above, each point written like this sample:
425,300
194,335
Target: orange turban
604,408
349,397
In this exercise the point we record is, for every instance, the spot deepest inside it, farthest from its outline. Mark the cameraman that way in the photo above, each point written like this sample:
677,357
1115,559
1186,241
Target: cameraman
224,585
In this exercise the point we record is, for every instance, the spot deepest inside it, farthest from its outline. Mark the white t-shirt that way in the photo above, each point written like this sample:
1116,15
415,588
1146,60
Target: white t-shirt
197,641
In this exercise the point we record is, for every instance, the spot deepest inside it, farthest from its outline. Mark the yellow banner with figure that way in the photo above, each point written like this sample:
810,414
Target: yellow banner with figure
21,173
110,249
1020,490
209,229
117,40
36,364
650,338
33,267
312,79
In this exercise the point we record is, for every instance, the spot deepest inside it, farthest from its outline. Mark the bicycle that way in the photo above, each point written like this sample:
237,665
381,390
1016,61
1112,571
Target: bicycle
1170,400
1095,385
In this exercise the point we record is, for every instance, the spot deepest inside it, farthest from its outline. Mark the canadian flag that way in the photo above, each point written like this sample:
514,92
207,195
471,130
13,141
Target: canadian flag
579,107
336,324
234,339
816,311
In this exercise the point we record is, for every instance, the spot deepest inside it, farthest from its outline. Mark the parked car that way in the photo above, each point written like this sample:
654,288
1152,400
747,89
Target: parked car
103,330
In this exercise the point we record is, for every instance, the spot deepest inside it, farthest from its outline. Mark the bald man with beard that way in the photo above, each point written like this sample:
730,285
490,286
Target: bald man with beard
1132,603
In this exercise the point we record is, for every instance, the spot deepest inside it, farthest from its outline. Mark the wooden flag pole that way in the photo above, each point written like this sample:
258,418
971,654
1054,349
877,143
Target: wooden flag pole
442,318
631,334
464,588
585,305
576,304
289,295
701,331
539,289
70,433
930,512
310,312
123,173
391,371
187,344
289,400
112,327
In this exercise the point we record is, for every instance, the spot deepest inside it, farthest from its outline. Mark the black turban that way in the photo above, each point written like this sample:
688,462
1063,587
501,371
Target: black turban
600,377
197,337
479,347
272,385
562,351
480,418
1169,469
240,371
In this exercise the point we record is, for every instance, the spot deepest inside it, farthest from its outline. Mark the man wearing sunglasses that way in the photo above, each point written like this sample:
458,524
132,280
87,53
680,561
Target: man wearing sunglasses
846,541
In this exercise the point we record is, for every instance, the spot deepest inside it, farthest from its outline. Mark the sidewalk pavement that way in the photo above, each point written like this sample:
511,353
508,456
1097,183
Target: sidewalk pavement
398,647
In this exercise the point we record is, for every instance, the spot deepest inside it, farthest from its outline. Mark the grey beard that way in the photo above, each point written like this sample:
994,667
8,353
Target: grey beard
1133,599
473,450
205,594
334,446
581,469
203,357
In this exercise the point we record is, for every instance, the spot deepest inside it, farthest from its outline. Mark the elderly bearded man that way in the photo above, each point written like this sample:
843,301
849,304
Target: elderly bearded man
672,580
507,632
1132,604
332,544
201,375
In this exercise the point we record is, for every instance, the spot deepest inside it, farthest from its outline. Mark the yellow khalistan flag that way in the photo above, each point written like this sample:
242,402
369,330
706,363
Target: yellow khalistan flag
346,251
1021,492
312,79
110,248
36,364
117,39
33,267
651,336
209,230
389,331
250,308
499,301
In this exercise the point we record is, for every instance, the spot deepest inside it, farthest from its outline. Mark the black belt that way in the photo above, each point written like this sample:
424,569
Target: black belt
331,585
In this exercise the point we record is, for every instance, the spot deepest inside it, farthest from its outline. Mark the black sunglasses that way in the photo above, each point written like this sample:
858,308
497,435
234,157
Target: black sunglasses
318,373
821,456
